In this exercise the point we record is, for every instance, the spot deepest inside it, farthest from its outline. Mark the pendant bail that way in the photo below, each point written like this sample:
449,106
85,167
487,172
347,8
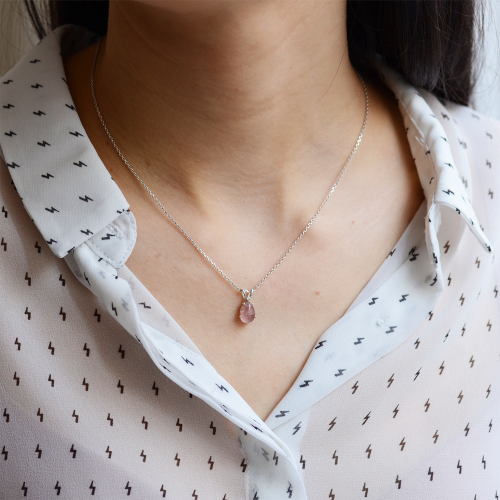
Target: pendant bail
247,294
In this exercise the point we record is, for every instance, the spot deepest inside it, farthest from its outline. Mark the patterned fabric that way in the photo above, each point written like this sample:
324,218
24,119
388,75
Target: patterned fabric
400,398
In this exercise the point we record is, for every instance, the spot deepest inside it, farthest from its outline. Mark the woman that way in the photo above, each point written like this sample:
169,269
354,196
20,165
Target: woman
363,365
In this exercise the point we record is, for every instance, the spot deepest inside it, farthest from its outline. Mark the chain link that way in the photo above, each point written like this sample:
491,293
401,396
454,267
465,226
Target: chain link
247,293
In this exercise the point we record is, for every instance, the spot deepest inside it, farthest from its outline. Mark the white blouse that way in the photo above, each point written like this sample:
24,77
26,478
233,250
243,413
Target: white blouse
400,398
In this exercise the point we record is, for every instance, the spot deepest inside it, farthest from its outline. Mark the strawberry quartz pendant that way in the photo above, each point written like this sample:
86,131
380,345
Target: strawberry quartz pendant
247,311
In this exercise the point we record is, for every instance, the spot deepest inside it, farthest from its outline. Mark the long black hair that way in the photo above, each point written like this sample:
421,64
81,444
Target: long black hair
433,43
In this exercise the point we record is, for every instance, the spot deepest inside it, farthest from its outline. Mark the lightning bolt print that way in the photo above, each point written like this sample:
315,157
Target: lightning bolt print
110,419
416,343
441,368
51,380
366,418
340,372
449,279
5,453
73,450
427,404
275,458
369,451
282,413
436,436
63,314
459,467
459,397
303,462
16,342
154,388
75,416
289,490
177,459
489,325
467,430
402,444
306,383
398,482
92,487
359,340
488,391
332,423
163,490
5,212
27,313
85,384
243,466
120,386
296,428
335,457
16,378
6,415
38,247
57,488
39,451
490,425
178,424
331,496
265,454
320,344
109,452
24,487
395,411
430,473
143,456
128,488
365,490
354,387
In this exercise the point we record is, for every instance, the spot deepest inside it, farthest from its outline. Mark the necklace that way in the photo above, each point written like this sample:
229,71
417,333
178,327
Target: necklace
247,309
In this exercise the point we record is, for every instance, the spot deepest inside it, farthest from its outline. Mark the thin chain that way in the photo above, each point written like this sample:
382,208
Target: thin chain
245,292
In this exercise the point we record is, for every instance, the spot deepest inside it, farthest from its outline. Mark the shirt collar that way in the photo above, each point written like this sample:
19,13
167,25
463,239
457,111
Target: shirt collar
70,195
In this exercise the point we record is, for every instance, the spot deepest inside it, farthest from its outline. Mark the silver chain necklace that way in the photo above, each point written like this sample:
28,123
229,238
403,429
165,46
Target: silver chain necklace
247,310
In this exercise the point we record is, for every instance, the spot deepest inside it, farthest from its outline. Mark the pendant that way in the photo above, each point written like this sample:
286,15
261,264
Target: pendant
247,311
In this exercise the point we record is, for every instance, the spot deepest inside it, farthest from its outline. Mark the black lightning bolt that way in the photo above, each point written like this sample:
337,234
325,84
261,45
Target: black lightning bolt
398,482
86,200
51,210
243,465
365,489
51,380
430,473
369,451
38,113
38,247
87,349
354,387
402,443
85,383
395,411
178,424
460,397
5,212
467,429
16,342
488,390
40,414
6,415
92,487
436,436
459,467
128,488
75,416
177,459
282,413
110,419
359,340
391,380
332,423
391,329
143,455
38,450
335,457
43,143
76,134
13,165
320,344
24,487
373,301
341,372
306,383
490,425
72,450
155,388
296,429
366,418
4,244
163,490
489,326
122,387
79,164
11,133
303,462
214,429
5,453
16,378
109,452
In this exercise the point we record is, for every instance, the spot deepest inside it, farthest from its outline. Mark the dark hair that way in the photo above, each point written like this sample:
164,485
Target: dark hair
433,43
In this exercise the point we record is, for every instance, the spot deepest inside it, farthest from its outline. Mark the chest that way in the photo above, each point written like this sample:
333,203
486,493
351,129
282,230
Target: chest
309,291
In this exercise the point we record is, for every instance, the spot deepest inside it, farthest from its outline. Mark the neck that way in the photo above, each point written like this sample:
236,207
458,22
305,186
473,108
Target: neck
242,100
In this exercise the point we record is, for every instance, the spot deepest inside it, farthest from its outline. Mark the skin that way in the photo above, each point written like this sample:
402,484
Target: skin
239,115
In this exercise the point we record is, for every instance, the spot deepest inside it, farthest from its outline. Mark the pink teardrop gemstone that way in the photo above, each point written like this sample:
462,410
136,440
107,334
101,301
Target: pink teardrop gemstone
247,312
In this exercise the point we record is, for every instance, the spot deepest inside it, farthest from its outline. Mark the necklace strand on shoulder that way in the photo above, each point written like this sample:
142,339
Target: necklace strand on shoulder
247,310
